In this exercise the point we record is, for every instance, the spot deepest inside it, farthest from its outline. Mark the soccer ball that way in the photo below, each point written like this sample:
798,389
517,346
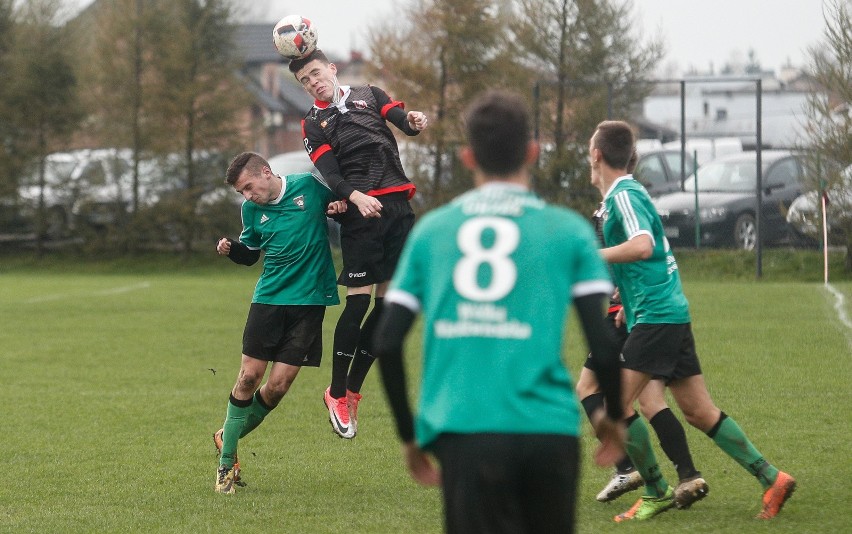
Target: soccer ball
295,37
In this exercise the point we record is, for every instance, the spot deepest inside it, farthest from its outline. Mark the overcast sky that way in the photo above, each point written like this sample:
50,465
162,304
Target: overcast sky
697,33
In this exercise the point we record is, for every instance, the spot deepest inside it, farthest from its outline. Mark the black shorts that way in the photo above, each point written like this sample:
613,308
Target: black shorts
286,334
618,333
662,350
371,247
508,483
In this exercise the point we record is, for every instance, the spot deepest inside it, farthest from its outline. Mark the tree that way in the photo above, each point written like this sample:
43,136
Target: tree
197,96
8,167
39,97
829,108
589,63
439,54
163,81
116,63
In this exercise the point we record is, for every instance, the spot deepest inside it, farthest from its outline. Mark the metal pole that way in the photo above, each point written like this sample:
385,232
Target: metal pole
759,164
697,208
683,135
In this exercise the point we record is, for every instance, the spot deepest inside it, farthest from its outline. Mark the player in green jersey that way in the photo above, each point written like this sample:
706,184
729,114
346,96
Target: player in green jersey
652,404
494,273
285,217
660,341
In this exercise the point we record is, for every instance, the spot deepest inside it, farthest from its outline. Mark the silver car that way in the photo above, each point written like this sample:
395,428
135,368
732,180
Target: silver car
805,213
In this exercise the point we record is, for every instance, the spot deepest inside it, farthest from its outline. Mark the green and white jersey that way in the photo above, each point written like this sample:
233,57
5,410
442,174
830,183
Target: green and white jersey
494,273
650,289
292,232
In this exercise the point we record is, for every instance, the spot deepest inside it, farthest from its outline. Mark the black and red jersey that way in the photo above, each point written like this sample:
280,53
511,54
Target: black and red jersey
355,132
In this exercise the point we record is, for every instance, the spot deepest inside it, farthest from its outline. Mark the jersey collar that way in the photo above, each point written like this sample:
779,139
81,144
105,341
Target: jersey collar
281,194
616,182
344,94
502,186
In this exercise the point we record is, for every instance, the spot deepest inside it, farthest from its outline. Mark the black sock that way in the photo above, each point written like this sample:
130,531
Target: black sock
345,340
673,441
364,354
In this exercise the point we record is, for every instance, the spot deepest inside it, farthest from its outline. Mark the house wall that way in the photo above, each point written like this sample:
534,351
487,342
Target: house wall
714,112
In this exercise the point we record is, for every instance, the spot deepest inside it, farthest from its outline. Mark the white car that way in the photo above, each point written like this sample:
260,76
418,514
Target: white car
80,186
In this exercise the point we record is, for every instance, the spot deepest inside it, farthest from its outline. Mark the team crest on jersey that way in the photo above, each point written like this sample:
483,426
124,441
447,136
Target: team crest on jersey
300,202
359,104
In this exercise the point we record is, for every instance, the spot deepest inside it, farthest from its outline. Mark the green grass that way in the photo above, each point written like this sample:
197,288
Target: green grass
108,404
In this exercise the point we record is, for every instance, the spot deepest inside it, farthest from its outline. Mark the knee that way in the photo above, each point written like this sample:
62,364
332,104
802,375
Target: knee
703,418
248,381
277,387
651,407
586,385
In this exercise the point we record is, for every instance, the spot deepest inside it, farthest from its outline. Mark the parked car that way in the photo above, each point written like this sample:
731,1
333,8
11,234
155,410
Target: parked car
805,213
726,201
659,171
80,186
93,188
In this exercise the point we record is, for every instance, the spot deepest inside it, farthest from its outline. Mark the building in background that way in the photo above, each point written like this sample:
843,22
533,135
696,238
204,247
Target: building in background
724,106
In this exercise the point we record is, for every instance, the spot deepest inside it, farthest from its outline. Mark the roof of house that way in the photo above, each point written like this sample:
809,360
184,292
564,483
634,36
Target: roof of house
254,42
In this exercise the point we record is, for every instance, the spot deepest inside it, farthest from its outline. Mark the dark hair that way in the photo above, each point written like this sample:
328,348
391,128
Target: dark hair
498,130
634,159
297,64
251,161
616,142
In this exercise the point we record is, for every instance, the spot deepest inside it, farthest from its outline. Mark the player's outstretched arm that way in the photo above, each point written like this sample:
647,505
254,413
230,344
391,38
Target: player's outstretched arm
417,120
609,425
237,252
223,247
394,324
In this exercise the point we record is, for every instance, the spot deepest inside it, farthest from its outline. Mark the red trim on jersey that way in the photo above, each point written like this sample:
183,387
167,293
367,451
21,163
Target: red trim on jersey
395,189
390,105
322,104
322,149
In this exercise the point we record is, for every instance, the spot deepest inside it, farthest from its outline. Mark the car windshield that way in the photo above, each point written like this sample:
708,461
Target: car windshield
727,176
55,173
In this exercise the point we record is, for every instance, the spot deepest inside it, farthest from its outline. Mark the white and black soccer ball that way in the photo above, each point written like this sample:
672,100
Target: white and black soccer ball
295,37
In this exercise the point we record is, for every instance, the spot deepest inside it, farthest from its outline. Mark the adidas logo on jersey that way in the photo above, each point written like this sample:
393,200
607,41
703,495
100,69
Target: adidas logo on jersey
263,218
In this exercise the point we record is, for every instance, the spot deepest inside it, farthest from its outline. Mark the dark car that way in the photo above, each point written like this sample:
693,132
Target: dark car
659,171
726,201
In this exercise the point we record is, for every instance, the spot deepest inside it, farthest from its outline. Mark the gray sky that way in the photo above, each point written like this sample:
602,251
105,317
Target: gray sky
697,33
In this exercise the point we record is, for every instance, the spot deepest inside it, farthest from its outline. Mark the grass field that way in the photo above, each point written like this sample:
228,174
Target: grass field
114,374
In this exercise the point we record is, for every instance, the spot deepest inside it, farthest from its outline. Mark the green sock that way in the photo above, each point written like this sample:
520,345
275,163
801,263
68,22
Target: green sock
257,412
728,435
640,451
235,420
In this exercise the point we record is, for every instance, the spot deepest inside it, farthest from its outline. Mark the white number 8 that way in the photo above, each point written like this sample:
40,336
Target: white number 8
504,273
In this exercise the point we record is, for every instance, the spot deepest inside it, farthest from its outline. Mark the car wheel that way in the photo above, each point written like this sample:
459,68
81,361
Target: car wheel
745,232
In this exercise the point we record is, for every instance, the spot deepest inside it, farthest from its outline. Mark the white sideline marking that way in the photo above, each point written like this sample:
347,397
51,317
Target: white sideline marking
841,310
102,293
